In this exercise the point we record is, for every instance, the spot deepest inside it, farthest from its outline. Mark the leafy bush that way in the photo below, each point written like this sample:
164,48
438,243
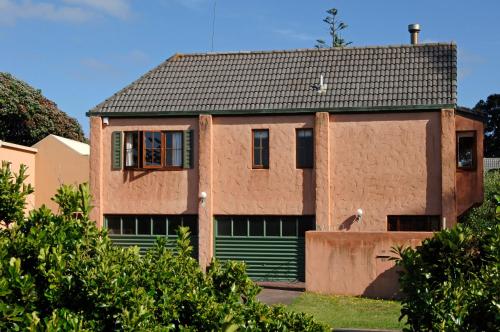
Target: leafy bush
484,216
59,272
452,281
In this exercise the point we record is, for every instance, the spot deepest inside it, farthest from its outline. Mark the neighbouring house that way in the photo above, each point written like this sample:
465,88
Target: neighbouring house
362,146
51,162
491,164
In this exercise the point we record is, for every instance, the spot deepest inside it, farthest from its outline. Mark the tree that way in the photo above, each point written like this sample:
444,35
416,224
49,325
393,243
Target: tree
26,116
335,26
491,107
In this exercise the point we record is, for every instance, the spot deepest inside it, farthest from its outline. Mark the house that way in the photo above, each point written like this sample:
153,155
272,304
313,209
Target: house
253,149
51,162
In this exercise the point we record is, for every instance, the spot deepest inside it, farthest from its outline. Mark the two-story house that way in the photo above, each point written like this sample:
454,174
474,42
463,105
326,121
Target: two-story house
252,149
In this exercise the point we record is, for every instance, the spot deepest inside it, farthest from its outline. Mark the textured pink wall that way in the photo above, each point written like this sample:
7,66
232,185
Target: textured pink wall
157,191
355,263
385,164
17,157
239,189
469,184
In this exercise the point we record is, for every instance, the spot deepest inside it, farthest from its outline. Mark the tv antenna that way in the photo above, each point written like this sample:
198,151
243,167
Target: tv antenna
213,27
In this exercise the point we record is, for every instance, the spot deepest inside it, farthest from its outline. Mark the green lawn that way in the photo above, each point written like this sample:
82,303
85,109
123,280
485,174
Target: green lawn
348,311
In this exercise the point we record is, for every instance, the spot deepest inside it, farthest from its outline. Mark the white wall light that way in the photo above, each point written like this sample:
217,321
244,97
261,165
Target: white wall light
359,215
105,121
203,198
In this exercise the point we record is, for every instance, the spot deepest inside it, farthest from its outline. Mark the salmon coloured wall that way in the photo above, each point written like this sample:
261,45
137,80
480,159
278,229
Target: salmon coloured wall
280,190
17,155
385,164
147,191
469,183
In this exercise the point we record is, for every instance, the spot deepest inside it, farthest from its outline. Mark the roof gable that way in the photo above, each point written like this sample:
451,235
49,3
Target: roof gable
406,76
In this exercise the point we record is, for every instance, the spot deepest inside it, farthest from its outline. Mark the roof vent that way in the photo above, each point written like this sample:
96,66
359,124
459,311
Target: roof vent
414,29
322,86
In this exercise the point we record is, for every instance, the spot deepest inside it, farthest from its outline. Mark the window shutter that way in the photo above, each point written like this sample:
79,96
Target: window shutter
116,150
188,149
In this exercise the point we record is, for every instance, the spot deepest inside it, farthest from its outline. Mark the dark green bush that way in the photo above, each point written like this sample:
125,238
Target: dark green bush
452,281
61,273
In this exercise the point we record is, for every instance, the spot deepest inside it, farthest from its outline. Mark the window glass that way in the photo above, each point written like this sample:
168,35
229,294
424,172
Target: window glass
256,226
304,148
289,226
192,223
413,223
272,226
224,226
240,226
173,149
261,148
174,222
113,224
159,225
144,225
131,149
128,223
152,148
465,146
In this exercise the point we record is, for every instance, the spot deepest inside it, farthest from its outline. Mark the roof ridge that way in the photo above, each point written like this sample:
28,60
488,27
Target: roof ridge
326,49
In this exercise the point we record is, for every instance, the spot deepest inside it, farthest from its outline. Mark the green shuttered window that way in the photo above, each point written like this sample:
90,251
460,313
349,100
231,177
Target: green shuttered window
188,149
116,142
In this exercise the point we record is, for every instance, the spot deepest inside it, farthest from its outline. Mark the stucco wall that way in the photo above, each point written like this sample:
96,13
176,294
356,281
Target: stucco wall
17,157
355,263
142,191
385,164
239,189
469,183
57,164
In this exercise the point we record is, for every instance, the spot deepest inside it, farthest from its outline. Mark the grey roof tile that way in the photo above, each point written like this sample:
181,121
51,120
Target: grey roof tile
357,77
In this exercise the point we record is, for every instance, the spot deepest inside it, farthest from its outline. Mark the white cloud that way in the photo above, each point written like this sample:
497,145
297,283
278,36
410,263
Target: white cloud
117,8
289,33
74,11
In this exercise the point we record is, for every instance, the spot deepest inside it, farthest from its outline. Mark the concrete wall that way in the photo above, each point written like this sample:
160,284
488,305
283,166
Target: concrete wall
57,164
469,183
239,189
355,263
145,191
385,164
17,155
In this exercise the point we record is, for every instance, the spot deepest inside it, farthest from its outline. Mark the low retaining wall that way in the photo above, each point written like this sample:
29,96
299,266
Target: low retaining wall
355,263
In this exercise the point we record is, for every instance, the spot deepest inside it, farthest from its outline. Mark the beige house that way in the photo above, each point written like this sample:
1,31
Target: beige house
51,162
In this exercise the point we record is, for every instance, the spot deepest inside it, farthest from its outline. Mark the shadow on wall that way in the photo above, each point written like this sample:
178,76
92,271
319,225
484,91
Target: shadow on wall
346,224
385,286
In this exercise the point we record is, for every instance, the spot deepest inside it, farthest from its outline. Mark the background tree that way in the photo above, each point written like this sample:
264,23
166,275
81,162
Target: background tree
26,116
334,26
491,107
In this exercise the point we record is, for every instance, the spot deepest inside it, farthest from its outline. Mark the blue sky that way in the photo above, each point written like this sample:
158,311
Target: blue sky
79,52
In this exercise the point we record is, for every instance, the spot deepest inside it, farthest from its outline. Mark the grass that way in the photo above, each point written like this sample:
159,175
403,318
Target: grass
350,312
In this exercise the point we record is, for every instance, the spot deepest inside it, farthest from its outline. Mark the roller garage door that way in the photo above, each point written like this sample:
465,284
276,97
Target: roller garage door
273,247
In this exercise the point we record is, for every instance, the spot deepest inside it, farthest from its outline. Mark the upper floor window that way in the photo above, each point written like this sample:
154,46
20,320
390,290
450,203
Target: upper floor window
173,152
466,150
304,148
260,139
152,149
413,223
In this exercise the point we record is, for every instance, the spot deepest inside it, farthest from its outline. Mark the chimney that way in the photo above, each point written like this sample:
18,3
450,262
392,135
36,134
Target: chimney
414,29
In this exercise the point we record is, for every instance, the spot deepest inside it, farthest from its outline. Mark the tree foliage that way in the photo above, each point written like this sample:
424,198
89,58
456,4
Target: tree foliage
59,272
26,116
491,107
452,281
335,26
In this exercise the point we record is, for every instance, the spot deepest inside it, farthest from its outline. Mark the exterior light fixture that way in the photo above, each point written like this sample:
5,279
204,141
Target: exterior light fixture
105,121
203,198
359,215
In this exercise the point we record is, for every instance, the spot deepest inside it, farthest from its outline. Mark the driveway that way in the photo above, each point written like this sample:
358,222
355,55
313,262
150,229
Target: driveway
278,296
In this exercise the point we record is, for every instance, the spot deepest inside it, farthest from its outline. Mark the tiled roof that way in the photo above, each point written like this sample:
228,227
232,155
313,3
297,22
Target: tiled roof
357,78
491,163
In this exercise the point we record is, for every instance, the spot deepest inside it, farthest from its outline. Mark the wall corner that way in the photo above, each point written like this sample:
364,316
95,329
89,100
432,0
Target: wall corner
96,169
448,168
322,170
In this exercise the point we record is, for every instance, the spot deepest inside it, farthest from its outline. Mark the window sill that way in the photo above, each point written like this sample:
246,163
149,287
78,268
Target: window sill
149,169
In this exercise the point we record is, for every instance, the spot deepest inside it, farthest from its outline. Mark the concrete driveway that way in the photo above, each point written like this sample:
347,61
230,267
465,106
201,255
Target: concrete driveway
278,296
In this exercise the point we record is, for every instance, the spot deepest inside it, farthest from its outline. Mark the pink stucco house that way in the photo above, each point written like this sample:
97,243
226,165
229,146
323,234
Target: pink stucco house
253,149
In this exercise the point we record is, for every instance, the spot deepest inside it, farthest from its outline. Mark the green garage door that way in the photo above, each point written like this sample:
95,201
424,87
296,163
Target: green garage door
272,247
142,230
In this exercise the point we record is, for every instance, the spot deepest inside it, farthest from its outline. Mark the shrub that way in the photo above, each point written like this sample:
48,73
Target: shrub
59,272
452,281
